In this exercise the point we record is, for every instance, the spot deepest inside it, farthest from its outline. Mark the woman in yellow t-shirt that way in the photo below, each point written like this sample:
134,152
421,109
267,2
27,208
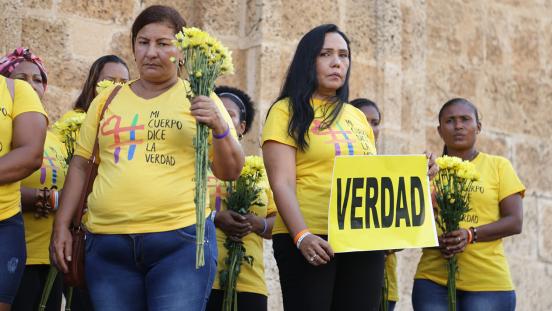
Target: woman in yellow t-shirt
373,116
140,240
23,125
251,228
483,281
308,125
36,191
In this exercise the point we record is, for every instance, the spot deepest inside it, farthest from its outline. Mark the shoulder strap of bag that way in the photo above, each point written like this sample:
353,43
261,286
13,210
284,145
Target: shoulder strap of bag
93,162
11,89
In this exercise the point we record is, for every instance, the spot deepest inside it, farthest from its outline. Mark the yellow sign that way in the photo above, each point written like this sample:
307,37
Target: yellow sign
380,202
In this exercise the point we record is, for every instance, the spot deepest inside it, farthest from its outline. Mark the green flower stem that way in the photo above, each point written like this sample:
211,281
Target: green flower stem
201,144
50,279
69,300
451,283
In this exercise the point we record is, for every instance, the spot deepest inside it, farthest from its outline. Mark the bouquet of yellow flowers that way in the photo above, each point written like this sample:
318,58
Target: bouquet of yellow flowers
452,193
68,130
104,84
242,194
205,59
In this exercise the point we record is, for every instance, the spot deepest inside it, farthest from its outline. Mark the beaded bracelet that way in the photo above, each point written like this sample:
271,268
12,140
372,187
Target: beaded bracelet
221,136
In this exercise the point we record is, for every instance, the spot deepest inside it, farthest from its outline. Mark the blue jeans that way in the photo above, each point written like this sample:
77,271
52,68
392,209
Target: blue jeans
151,271
430,296
13,255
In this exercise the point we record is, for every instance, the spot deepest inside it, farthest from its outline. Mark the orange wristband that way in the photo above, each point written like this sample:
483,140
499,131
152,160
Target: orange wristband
470,236
299,234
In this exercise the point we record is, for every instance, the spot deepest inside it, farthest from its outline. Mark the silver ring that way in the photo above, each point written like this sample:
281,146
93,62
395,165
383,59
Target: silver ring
459,239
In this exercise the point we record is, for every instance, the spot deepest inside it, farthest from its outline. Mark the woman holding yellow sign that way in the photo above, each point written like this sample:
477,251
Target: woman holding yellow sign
390,295
483,281
299,154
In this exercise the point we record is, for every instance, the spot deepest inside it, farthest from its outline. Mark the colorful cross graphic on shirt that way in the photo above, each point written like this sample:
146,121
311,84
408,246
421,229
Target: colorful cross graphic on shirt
335,137
51,165
117,130
213,182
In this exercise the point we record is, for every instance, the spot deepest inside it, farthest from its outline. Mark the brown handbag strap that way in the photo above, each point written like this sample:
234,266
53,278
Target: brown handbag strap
93,161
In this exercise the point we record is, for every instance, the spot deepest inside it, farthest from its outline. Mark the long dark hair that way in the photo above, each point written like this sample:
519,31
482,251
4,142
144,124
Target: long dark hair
456,101
89,89
301,83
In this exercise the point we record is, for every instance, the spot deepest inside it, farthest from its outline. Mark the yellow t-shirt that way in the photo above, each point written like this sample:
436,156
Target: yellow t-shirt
350,134
391,277
145,180
251,278
52,173
25,100
482,266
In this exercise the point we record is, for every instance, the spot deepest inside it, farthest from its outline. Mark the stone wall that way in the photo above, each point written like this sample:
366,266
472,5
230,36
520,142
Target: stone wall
408,55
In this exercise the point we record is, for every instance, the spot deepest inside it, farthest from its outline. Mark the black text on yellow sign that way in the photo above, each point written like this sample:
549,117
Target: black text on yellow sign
380,202
361,196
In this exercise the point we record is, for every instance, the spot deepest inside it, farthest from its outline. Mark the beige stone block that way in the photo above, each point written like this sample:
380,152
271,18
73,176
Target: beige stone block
253,18
390,97
407,262
437,89
274,62
443,42
494,144
413,35
88,38
58,100
47,37
475,45
363,81
186,8
524,246
360,28
433,141
220,17
272,278
388,30
10,19
290,20
412,103
531,279
463,82
121,11
530,162
545,229
525,45
68,73
38,4
394,143
496,37
498,106
121,46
